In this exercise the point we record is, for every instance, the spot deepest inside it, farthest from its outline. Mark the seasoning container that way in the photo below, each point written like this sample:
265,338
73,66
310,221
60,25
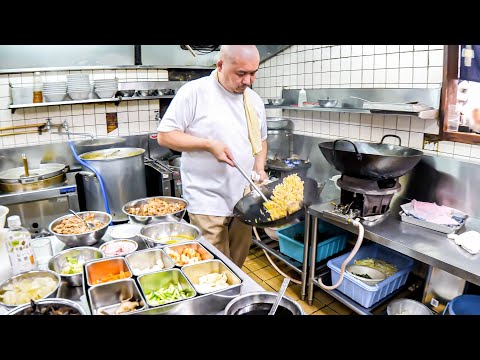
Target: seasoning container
20,252
302,97
37,88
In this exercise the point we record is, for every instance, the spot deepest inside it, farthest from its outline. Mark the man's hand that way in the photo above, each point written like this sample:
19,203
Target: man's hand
263,175
221,152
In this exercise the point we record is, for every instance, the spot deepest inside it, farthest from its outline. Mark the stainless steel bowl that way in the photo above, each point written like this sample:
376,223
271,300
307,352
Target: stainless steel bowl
327,103
31,275
82,253
169,232
276,101
125,93
260,303
407,307
52,302
163,92
144,220
84,239
151,92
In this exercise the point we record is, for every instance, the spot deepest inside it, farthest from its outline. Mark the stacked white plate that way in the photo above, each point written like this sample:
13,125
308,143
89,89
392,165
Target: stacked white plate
105,88
54,91
78,86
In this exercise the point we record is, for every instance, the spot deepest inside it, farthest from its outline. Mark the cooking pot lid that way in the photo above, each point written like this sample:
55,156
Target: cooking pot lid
44,171
112,154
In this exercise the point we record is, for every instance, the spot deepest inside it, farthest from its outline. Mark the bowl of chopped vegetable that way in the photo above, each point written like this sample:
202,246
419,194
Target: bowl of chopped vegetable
368,275
69,263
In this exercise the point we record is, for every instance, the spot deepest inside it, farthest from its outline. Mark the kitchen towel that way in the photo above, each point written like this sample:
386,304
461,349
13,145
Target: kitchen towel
252,121
469,240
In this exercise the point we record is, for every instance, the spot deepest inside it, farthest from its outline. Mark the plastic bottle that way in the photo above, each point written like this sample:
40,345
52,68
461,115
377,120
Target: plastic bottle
19,250
302,97
37,88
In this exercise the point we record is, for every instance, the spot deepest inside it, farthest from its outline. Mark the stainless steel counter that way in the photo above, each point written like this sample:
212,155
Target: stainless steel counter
202,307
428,246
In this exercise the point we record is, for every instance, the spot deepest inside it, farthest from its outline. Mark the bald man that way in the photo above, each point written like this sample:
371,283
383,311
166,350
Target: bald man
212,121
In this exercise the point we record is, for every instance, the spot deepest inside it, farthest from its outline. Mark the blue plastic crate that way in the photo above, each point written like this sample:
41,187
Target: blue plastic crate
336,240
362,293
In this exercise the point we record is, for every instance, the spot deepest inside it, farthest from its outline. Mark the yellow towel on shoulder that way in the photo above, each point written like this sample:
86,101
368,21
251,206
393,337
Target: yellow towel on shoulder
252,121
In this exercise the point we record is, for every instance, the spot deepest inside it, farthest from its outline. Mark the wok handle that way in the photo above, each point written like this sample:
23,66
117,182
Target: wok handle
395,136
359,155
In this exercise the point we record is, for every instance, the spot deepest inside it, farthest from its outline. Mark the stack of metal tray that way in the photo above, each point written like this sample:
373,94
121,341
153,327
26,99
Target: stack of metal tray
432,226
106,297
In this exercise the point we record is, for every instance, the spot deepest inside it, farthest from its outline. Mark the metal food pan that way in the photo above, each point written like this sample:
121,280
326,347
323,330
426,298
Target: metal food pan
193,272
429,225
98,269
195,245
106,298
163,279
147,259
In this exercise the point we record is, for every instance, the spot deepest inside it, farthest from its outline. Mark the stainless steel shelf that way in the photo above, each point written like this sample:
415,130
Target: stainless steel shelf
88,101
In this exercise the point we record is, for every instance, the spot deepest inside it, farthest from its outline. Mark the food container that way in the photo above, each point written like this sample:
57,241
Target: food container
204,253
407,307
196,271
141,260
162,280
83,239
118,247
106,299
144,220
59,305
260,303
101,269
81,254
30,275
169,233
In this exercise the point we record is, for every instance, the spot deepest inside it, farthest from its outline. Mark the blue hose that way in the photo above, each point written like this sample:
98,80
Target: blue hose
99,177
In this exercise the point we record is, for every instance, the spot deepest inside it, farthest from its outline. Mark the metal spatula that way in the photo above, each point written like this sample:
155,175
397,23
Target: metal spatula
284,286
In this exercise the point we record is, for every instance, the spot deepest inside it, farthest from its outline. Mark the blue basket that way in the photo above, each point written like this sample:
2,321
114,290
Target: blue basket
336,240
362,293
464,305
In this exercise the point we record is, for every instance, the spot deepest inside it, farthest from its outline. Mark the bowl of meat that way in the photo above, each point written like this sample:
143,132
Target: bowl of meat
153,209
74,232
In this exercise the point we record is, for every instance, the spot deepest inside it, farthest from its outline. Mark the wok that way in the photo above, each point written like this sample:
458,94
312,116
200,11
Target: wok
250,209
370,160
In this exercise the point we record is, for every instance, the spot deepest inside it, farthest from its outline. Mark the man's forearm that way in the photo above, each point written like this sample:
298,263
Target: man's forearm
261,157
179,141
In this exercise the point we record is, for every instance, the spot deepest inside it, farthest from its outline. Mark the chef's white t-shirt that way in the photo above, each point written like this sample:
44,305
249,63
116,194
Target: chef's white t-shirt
203,108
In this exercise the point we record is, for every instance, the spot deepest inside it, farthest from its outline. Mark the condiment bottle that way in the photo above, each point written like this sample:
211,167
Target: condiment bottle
302,97
37,88
17,240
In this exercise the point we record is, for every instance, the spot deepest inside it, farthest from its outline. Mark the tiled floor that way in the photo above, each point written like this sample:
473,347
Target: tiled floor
260,270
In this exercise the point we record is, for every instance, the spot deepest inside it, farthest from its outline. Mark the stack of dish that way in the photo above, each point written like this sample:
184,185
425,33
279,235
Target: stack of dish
54,91
105,88
78,86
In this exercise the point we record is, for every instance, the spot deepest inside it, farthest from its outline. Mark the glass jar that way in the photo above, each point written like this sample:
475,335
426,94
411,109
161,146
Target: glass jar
37,88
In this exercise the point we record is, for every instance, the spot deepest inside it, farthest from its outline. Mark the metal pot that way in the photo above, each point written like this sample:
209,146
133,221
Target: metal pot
46,175
99,143
279,138
260,302
123,172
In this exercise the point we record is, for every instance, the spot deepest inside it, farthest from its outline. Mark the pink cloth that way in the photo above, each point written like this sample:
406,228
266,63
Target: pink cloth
434,213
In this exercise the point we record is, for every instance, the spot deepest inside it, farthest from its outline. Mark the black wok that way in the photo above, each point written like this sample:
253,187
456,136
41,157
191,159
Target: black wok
250,210
370,160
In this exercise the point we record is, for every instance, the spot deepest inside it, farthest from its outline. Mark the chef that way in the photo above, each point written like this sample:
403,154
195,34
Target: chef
212,121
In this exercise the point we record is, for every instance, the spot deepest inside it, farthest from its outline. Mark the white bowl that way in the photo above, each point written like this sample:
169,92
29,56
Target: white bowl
103,94
54,97
129,246
125,231
3,215
375,275
79,95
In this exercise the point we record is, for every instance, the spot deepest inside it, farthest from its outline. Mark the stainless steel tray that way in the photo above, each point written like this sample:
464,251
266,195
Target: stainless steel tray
206,304
429,225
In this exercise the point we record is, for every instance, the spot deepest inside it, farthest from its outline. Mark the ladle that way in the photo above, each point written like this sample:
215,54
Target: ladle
250,181
90,225
284,286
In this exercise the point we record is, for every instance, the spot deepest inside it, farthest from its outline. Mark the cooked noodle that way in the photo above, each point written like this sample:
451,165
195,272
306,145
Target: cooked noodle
286,197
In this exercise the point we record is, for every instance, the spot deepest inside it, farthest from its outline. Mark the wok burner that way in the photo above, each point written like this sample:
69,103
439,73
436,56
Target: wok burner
369,197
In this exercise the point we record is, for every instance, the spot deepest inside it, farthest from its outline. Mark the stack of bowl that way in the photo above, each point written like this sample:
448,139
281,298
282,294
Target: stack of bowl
78,86
54,91
106,88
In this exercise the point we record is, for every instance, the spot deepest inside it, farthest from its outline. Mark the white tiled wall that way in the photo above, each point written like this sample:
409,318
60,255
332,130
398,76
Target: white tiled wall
134,117
360,66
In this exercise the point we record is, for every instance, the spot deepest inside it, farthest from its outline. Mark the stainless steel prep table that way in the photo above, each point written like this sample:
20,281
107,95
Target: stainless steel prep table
75,293
427,246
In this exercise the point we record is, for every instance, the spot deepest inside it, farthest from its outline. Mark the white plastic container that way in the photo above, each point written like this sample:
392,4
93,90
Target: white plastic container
20,252
302,97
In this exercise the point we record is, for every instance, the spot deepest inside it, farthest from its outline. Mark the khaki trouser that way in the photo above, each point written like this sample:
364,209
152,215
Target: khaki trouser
227,234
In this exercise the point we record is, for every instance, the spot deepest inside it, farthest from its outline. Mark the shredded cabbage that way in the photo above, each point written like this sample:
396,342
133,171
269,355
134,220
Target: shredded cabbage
383,266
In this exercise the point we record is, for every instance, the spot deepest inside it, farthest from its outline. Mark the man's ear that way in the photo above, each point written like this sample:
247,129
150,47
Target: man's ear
220,64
